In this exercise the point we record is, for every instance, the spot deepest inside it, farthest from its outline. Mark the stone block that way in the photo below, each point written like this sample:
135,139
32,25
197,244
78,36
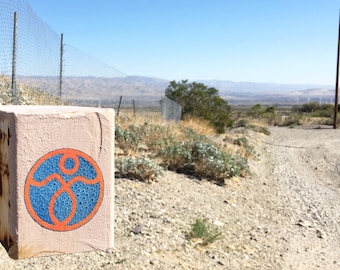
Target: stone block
56,179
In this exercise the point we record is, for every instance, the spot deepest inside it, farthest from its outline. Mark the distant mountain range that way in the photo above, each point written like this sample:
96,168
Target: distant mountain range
148,90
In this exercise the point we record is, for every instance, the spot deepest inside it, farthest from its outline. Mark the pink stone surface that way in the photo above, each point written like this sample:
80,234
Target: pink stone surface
29,133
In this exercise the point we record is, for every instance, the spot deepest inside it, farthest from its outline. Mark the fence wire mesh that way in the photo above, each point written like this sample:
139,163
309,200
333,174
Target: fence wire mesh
38,54
38,46
171,110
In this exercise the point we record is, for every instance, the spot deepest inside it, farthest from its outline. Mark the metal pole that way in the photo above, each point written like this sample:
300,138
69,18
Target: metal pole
15,97
61,65
337,82
120,102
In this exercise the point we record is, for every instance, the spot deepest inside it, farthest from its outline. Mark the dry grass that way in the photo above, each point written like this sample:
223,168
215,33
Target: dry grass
27,95
127,118
157,132
200,126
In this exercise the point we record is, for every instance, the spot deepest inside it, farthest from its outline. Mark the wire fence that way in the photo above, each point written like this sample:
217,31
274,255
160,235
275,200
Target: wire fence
171,110
37,45
34,54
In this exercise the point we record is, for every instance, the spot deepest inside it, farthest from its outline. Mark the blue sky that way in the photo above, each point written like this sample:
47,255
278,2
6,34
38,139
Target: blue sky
281,41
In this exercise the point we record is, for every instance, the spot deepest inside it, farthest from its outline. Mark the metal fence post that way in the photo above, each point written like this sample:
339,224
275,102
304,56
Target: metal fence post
120,102
337,82
15,94
61,65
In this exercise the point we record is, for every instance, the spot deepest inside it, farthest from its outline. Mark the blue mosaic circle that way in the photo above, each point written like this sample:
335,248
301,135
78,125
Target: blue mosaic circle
64,189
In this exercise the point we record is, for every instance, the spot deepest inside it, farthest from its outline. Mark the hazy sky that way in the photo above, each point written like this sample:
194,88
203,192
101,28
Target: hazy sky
282,41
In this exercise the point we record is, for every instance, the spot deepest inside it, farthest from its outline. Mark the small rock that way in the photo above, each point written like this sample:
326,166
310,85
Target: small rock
304,223
137,229
319,233
218,223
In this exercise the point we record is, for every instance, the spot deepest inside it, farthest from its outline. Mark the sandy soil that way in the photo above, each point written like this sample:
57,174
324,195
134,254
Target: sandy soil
285,216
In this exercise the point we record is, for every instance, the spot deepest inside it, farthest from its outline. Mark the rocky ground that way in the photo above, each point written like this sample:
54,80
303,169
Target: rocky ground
284,216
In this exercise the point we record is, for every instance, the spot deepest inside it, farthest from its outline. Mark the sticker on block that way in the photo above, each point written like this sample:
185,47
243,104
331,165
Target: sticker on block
64,190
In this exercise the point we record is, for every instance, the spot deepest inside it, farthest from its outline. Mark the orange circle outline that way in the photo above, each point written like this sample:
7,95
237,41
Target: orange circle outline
61,226
63,161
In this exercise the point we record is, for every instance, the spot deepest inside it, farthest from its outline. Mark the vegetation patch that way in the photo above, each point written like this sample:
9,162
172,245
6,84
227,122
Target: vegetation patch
204,232
139,168
174,147
27,95
201,101
248,124
203,160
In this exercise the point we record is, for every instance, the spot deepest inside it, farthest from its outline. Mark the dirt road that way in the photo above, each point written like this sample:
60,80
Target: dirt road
305,170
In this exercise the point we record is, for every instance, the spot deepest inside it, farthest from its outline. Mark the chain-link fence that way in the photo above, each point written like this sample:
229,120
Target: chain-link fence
37,46
33,54
171,110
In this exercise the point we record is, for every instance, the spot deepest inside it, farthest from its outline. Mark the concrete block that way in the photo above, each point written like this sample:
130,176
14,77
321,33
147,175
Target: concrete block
56,179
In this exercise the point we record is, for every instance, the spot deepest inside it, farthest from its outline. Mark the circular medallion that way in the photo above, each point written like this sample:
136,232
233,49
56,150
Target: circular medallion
64,190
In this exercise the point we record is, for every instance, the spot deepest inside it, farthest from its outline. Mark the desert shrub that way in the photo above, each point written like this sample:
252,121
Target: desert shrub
271,116
203,160
245,145
245,123
326,110
140,168
292,120
315,109
307,107
256,111
270,109
241,141
126,139
259,129
176,157
241,123
202,230
201,101
210,162
153,136
178,148
191,135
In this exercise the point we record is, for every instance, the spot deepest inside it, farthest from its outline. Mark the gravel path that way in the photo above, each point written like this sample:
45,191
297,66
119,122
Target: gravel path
285,216
307,163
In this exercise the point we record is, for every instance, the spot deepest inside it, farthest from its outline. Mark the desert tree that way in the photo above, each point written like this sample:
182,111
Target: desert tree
199,100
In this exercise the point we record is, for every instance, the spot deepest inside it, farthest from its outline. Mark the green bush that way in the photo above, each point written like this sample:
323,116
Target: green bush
241,123
140,168
326,111
201,101
307,107
256,111
316,109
